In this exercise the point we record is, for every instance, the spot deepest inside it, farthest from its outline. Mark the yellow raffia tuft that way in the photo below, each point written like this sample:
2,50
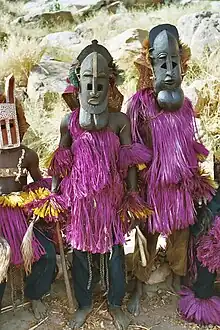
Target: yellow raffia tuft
48,160
137,214
207,177
141,213
141,167
39,193
47,210
201,158
20,199
13,200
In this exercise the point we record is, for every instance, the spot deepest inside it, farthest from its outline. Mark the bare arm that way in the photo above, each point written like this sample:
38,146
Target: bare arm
65,142
125,139
32,166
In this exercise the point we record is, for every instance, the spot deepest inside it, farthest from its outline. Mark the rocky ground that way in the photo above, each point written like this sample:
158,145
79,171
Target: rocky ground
159,308
158,313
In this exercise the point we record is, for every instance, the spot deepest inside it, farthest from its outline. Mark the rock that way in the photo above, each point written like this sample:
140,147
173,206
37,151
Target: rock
84,31
145,3
128,41
51,18
215,5
114,7
65,39
40,6
159,275
88,29
47,76
201,31
192,90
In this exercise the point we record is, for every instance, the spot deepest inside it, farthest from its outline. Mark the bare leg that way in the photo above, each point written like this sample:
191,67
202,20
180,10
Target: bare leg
176,282
135,300
121,320
79,317
39,309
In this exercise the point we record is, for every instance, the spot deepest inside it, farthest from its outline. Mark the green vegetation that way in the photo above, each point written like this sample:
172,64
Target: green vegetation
20,52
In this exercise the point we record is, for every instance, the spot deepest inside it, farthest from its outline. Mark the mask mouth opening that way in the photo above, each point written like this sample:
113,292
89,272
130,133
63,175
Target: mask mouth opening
93,101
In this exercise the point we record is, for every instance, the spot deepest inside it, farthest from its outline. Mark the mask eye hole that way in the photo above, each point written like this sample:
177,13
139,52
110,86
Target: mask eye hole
11,125
89,87
174,64
164,66
99,88
3,126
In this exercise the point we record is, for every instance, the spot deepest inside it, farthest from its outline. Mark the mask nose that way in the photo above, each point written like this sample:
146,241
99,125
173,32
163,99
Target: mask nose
94,94
169,65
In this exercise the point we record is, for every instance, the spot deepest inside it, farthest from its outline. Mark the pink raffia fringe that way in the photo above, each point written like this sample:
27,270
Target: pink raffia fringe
208,250
13,226
173,179
199,311
201,150
43,183
94,190
51,208
134,207
131,155
61,162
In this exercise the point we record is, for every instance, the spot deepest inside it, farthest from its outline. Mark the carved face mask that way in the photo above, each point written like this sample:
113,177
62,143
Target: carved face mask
93,95
165,59
9,129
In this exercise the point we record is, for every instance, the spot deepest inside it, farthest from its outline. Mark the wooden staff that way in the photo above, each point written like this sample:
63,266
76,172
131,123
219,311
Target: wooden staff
66,278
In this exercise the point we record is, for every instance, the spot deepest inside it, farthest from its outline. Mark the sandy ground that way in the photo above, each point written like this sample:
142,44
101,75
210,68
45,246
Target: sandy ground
158,313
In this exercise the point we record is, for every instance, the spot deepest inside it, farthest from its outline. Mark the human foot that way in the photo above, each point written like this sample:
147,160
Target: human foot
121,320
79,317
39,309
134,304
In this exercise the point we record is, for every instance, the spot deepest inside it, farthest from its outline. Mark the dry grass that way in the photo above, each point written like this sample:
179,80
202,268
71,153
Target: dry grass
208,107
18,57
44,118
22,52
112,25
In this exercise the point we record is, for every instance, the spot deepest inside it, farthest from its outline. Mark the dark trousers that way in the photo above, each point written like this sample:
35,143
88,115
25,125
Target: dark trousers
38,283
116,277
204,287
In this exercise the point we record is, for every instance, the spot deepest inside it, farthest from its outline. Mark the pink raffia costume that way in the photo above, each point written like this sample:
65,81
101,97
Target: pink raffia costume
21,247
93,160
172,182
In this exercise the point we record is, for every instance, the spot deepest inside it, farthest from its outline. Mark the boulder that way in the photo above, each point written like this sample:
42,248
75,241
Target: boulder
192,90
114,7
51,18
201,31
65,39
84,31
215,5
145,3
40,6
88,29
128,41
159,275
47,76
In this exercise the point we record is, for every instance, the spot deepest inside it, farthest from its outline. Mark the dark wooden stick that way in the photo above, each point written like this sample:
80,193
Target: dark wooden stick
66,278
